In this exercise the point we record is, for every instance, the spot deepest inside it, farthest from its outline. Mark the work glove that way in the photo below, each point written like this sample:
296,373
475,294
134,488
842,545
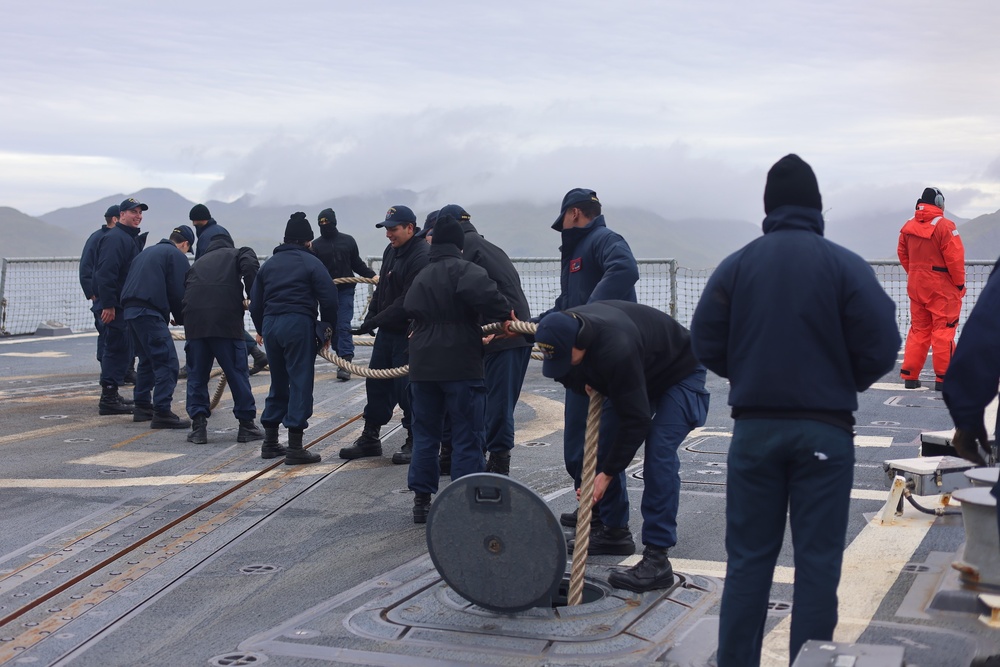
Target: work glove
366,328
967,443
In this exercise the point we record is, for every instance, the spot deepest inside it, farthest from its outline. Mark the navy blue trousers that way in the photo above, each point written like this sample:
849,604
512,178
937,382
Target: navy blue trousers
291,354
231,353
344,341
803,469
156,374
504,376
464,402
117,354
613,508
391,350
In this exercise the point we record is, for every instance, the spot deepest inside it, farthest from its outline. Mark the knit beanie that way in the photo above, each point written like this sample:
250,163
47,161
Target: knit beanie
447,230
931,196
298,228
791,182
199,212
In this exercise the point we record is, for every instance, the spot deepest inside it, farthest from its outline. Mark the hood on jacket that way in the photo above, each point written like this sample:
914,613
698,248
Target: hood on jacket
794,217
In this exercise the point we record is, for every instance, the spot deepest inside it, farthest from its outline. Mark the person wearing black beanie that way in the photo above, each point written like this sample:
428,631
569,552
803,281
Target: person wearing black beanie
298,230
791,182
283,304
447,230
798,325
445,303
933,256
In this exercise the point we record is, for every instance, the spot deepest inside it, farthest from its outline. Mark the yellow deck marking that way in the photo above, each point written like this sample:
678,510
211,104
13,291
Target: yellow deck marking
548,418
119,445
51,430
872,441
872,563
125,459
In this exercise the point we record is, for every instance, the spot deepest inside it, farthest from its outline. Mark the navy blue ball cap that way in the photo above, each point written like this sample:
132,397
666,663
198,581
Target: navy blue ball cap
556,337
130,204
113,211
188,235
398,215
455,211
429,223
572,198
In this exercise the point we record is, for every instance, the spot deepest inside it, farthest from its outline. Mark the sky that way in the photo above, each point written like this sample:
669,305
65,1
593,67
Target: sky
677,106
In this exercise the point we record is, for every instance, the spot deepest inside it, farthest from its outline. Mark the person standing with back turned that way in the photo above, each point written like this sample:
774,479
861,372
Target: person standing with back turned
784,310
933,257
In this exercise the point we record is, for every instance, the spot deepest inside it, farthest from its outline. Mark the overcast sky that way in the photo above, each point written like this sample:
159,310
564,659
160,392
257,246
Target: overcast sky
679,106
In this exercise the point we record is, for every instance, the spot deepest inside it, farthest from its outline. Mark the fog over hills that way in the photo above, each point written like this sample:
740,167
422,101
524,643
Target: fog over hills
523,229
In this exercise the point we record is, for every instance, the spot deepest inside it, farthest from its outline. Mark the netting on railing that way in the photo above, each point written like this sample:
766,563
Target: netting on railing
39,290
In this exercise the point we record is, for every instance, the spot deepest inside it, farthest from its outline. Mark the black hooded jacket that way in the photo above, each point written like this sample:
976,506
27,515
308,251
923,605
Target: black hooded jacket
634,354
339,254
446,301
215,288
501,270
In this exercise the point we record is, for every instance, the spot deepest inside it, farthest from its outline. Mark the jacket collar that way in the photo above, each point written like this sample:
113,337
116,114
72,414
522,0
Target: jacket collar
794,217
444,250
198,231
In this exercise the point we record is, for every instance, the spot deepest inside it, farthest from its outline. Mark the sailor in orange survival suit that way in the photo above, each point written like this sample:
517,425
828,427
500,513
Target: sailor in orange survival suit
933,257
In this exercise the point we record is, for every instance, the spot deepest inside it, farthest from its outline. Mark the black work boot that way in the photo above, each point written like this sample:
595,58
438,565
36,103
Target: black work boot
367,444
130,374
270,449
911,384
444,461
142,413
259,360
405,453
607,542
652,572
168,420
568,519
296,454
111,402
498,463
248,431
421,507
199,430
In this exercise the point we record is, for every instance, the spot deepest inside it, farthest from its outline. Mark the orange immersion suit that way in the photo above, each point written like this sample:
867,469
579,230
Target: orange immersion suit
933,257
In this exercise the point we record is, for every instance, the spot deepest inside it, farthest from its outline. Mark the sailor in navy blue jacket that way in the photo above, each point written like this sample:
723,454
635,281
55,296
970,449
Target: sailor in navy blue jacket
117,249
88,265
799,325
153,290
597,265
283,304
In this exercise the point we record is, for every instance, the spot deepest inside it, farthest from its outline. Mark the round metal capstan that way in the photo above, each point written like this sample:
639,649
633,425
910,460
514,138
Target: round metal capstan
496,543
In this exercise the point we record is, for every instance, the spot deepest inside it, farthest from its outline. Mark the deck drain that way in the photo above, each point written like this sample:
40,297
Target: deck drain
915,567
54,417
230,659
75,440
535,443
259,568
885,423
779,608
114,471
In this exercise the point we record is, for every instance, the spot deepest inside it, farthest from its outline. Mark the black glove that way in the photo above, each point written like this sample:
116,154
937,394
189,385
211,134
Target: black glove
365,328
967,443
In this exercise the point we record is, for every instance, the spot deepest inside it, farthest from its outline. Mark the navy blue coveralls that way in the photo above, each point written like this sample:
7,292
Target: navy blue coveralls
799,325
597,265
283,303
88,265
213,325
446,300
399,268
153,290
115,253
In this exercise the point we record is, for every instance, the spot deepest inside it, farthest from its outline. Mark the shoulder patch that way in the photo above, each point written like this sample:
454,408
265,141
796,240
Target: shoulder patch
954,232
575,264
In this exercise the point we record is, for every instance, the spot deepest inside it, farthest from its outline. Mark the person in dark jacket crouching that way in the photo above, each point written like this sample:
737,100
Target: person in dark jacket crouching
283,303
445,302
641,361
153,290
799,325
213,328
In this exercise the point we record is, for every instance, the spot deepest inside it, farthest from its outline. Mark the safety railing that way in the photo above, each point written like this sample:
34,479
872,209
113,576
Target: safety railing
37,290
